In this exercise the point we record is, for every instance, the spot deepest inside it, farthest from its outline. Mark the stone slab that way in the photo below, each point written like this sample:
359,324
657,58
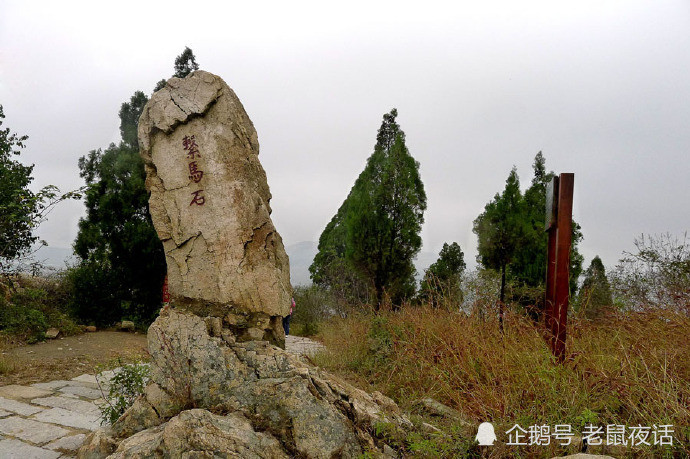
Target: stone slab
88,380
4,414
302,346
18,407
52,385
71,404
15,449
86,392
70,418
71,443
16,391
30,430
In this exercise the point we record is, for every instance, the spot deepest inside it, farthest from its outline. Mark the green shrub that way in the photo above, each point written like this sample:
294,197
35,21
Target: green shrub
24,323
93,301
35,305
313,306
126,385
102,297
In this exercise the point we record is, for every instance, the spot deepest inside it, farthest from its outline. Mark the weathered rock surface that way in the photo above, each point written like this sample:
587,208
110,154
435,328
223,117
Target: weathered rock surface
210,206
250,399
219,386
52,333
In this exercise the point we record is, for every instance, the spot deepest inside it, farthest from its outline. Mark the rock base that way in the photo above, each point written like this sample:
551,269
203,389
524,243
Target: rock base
213,397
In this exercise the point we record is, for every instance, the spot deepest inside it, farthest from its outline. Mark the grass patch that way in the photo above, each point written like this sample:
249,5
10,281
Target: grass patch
7,366
629,370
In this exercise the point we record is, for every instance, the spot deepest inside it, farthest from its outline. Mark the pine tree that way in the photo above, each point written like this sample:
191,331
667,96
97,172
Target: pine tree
122,265
595,295
523,216
185,63
500,230
441,281
375,234
528,268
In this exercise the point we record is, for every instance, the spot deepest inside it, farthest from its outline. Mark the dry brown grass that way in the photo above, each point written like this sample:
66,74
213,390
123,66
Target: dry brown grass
629,370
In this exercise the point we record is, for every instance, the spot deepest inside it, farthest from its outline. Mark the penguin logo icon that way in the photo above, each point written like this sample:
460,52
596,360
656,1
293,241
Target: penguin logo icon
485,434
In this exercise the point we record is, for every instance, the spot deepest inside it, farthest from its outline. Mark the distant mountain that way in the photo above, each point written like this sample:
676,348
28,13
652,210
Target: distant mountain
302,255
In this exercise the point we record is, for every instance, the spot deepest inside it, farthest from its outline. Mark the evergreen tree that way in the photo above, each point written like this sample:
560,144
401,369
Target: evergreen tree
374,236
528,269
185,63
595,295
529,264
122,265
500,230
330,269
442,279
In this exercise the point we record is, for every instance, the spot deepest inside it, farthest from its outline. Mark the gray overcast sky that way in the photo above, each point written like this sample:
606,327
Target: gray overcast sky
601,87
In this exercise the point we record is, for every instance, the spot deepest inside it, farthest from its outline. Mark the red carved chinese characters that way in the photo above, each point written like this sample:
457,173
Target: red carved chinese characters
198,199
189,144
195,174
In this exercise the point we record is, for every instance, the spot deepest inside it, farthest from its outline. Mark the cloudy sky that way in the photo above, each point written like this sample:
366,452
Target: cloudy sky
600,87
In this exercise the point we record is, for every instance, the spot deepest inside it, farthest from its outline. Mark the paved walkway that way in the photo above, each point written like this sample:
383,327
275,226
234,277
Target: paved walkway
302,346
51,420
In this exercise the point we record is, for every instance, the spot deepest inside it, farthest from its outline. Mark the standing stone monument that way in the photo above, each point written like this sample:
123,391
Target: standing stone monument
221,386
210,206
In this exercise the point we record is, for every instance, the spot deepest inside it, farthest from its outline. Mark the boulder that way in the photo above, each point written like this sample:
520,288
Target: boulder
252,390
52,333
210,204
127,325
199,431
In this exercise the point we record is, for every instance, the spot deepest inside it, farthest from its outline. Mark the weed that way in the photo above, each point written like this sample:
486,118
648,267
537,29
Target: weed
126,385
627,370
7,366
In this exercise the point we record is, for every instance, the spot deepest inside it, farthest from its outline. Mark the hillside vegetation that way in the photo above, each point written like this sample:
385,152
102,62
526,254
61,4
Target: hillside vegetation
630,370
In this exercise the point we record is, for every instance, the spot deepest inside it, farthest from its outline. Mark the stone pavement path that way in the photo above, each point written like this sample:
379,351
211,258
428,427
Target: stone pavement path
48,420
51,420
302,346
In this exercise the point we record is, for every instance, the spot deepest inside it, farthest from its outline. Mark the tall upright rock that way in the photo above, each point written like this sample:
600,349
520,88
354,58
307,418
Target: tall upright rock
219,385
210,205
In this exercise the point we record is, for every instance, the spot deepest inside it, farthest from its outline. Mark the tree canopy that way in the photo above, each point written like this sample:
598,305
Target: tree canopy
122,265
529,264
500,229
512,240
442,279
374,236
595,294
185,63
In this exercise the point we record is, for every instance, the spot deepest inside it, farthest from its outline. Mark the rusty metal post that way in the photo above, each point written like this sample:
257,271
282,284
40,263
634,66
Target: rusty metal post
558,268
564,227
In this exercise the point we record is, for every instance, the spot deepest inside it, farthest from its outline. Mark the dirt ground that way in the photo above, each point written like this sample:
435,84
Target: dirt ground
66,358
